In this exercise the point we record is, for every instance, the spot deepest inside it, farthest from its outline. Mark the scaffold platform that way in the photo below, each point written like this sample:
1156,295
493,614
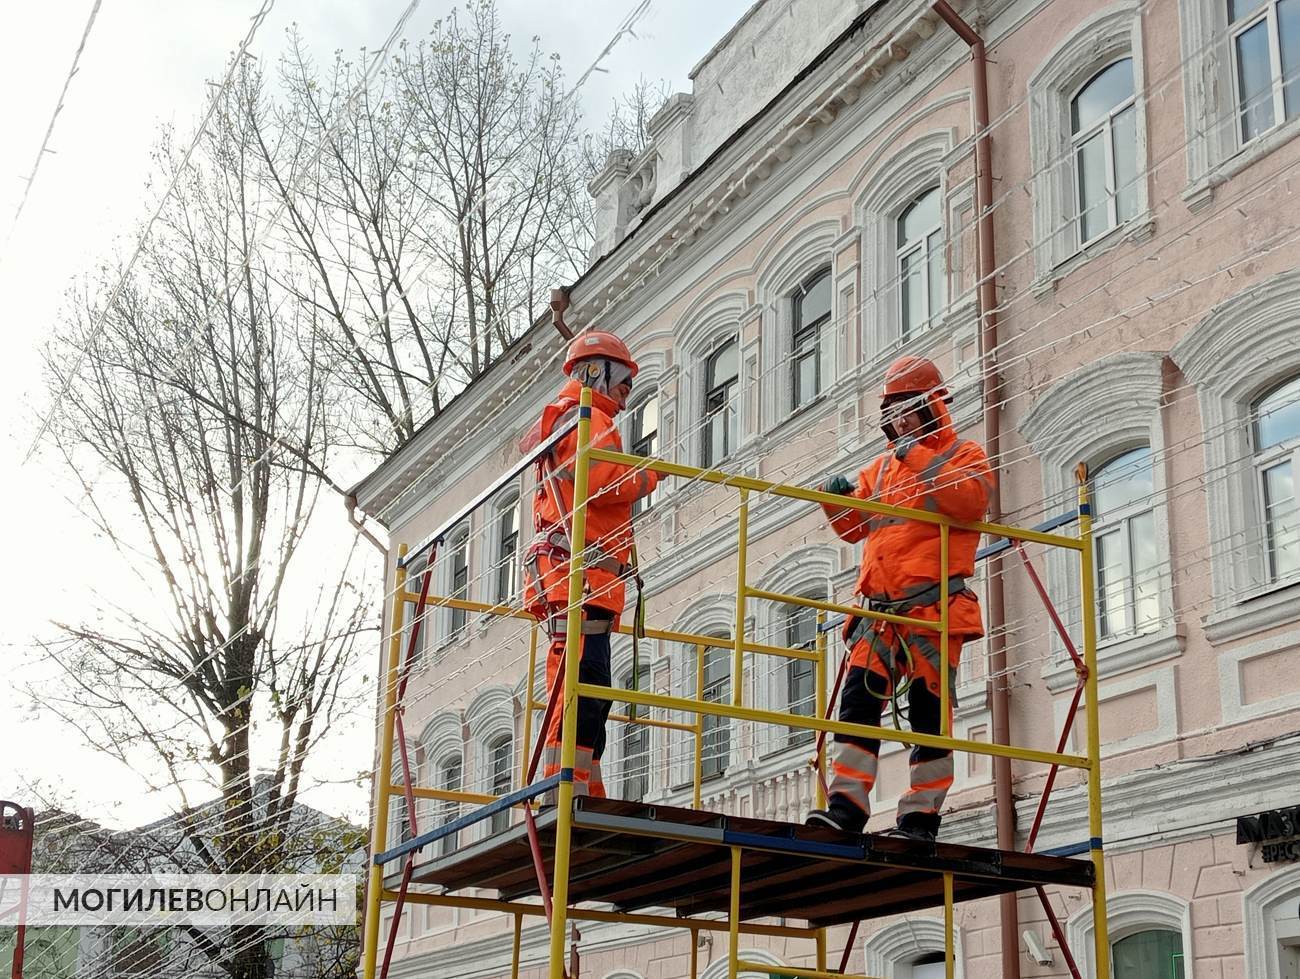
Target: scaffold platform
636,856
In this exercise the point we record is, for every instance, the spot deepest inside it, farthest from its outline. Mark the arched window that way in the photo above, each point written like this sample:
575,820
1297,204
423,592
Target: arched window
1103,127
1266,63
812,313
721,386
501,774
507,548
1275,431
1128,563
449,780
634,743
414,579
643,440
921,288
1153,954
458,581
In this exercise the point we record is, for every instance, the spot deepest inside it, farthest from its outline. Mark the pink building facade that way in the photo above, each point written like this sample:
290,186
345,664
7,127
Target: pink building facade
802,217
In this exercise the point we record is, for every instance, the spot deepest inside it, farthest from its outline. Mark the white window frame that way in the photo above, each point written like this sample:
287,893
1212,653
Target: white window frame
704,326
889,188
1128,913
1063,429
1241,348
1106,126
1121,522
1265,460
782,272
492,746
1268,13
452,630
904,250
626,728
489,717
1215,150
445,811
819,329
507,500
632,438
428,625
1098,41
731,403
710,615
1269,919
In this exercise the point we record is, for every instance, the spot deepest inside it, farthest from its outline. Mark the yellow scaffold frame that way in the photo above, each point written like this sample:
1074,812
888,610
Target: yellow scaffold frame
586,454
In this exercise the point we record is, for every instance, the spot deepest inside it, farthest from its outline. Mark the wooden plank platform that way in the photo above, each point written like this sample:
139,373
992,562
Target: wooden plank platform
637,856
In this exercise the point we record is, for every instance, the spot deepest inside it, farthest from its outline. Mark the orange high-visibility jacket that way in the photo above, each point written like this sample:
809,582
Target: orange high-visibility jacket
942,474
611,489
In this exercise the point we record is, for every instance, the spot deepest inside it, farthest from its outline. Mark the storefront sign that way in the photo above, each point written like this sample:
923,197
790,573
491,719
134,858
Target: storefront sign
1276,833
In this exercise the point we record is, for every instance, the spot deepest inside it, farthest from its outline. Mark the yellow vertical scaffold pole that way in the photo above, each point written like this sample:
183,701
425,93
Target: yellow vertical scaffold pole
379,824
733,945
1101,936
742,589
569,729
697,782
820,697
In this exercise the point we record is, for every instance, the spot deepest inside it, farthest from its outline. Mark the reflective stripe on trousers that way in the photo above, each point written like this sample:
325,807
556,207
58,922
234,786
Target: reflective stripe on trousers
593,667
856,760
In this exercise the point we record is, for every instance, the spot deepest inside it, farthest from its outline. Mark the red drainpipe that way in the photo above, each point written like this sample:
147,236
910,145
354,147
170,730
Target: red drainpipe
988,302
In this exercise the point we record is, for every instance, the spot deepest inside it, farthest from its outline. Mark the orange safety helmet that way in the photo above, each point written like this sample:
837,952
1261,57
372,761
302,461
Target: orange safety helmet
913,375
597,343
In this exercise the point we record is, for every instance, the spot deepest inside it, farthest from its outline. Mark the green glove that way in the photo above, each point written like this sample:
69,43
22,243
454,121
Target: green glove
838,485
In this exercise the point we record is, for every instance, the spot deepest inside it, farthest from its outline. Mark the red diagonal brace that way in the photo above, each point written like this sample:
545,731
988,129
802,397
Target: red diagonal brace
815,761
848,948
1079,666
1051,772
1059,932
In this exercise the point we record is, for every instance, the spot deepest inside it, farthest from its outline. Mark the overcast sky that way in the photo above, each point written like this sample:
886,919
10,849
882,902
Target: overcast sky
145,65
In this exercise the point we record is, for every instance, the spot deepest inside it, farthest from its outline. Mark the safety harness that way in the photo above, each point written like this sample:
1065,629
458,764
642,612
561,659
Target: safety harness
855,627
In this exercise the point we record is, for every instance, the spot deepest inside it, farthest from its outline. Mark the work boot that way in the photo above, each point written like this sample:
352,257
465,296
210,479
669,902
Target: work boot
840,814
920,826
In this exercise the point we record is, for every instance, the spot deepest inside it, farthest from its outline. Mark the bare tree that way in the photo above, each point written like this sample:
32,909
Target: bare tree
201,399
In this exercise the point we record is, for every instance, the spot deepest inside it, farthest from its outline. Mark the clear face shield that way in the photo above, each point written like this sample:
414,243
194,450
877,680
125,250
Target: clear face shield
602,374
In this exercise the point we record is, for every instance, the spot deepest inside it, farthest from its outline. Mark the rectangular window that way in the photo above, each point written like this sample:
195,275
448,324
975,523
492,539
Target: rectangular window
635,744
501,771
1276,436
920,248
812,312
448,781
1266,63
800,674
507,546
644,441
459,583
721,383
717,730
414,581
1127,555
1103,121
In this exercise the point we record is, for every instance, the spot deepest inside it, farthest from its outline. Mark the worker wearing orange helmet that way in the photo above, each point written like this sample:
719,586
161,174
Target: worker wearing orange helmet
926,467
602,362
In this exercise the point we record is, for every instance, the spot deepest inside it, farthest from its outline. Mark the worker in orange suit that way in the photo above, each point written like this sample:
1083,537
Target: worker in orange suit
602,362
926,467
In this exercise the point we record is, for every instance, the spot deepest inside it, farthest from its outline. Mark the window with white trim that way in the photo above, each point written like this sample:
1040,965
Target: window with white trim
450,769
414,581
458,579
1265,46
1124,537
721,390
811,315
501,775
1087,141
643,440
1275,432
920,248
800,674
506,561
634,742
1103,148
